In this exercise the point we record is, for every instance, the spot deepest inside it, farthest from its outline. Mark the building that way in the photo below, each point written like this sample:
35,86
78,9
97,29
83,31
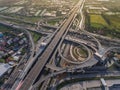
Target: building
4,68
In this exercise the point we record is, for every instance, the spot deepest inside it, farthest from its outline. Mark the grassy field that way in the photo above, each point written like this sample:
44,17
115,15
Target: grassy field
52,22
83,52
4,28
103,23
2,61
79,52
114,21
97,21
36,36
106,25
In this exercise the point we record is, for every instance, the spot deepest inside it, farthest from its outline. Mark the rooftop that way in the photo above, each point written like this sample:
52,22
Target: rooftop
4,68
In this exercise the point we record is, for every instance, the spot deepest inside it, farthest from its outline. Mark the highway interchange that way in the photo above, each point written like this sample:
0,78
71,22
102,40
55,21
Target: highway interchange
34,69
30,79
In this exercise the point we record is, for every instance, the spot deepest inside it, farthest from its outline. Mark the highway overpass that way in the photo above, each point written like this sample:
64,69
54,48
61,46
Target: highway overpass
46,55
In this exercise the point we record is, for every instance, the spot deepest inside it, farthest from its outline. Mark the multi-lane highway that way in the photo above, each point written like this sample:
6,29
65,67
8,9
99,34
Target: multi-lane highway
44,58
